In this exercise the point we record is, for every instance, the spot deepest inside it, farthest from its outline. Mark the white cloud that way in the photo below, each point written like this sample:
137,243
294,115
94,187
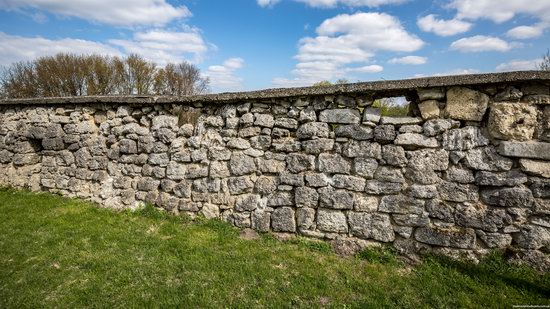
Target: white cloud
112,12
518,65
452,72
501,10
345,40
269,3
223,78
442,27
335,3
526,32
481,43
15,48
415,60
162,46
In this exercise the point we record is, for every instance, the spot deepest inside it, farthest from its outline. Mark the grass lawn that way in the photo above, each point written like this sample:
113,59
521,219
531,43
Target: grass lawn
59,252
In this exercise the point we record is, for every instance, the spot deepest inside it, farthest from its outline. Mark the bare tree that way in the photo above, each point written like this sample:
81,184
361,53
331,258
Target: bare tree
544,65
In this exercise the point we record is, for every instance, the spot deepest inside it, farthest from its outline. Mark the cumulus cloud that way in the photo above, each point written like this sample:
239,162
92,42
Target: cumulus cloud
223,78
345,40
481,43
112,12
15,48
526,32
518,65
415,60
162,46
442,27
500,11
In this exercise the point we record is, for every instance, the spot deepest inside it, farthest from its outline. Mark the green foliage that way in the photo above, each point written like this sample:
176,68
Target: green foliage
391,107
380,255
59,252
323,83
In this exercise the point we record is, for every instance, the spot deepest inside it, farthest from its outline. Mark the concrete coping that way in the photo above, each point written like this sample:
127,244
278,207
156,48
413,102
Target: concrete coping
387,88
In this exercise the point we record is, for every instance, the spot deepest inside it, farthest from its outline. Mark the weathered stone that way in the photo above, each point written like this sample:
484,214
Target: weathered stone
312,129
332,221
282,220
348,182
459,175
307,115
355,131
533,88
412,220
533,150
210,211
384,133
287,123
505,179
161,159
435,127
365,203
411,128
389,174
291,179
369,225
464,139
495,240
335,199
429,159
457,192
394,155
238,143
148,184
446,237
266,185
540,187
380,187
306,197
365,167
487,159
270,166
53,144
415,140
512,121
333,164
479,216
537,99
260,221
280,198
423,191
297,162
532,237
317,146
466,104
247,202
344,116
429,109
536,168
264,120
241,164
400,121
317,180
239,185
362,149
431,94
508,197
371,114
400,204
440,210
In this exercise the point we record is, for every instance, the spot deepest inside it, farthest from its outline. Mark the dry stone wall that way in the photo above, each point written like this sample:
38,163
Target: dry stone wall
467,172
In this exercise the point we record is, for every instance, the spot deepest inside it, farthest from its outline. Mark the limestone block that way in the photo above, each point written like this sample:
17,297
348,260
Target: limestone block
512,121
343,116
533,150
535,167
446,236
431,94
371,225
429,109
466,104
283,220
416,140
334,221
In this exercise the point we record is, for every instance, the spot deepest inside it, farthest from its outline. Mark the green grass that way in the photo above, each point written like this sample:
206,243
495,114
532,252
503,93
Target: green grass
59,252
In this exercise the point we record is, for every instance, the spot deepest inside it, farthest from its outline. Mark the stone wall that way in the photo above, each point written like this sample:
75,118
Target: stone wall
467,172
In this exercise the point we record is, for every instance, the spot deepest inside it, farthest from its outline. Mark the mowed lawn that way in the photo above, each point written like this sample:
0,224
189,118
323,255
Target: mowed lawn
59,252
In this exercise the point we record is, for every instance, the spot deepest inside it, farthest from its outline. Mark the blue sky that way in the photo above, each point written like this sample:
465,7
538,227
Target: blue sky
254,44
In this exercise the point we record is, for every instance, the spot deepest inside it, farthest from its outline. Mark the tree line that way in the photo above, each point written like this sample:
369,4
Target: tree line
80,75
